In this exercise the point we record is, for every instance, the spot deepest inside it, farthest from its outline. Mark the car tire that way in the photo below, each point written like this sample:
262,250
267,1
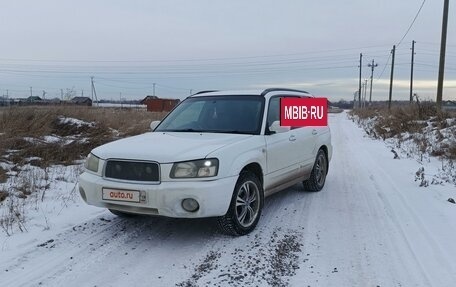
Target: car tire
245,207
317,179
121,213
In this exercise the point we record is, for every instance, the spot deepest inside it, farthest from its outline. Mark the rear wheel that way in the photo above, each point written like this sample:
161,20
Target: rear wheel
245,207
317,179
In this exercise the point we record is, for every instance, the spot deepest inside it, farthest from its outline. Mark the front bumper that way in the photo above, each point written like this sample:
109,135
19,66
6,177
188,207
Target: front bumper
163,199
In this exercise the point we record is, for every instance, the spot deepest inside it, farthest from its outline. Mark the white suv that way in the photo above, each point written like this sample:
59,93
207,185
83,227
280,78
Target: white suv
217,154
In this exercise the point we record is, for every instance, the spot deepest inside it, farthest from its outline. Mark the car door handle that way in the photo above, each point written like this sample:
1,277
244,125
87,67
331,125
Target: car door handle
314,132
292,138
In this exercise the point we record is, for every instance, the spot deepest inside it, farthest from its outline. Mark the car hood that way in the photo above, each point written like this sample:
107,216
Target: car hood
166,147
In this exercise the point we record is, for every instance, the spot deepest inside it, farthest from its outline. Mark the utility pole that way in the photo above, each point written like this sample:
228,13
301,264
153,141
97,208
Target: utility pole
393,52
411,72
61,93
360,68
355,94
442,54
82,93
373,65
94,92
154,90
365,93
360,102
31,92
120,98
44,94
91,85
362,93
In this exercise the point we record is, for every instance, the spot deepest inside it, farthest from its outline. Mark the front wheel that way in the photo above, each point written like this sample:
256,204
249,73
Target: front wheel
317,179
245,207
121,213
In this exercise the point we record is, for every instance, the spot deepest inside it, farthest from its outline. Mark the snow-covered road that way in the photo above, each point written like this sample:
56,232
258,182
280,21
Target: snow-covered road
370,226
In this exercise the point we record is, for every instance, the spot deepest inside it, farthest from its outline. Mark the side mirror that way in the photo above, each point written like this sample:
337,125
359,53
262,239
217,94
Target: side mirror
275,128
154,124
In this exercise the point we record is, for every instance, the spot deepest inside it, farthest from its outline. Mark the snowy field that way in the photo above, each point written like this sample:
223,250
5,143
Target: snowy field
372,225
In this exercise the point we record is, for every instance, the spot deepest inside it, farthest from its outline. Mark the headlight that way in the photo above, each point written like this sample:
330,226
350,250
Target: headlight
91,163
196,168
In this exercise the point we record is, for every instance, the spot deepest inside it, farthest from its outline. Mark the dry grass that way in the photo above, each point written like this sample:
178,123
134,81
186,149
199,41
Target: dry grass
44,136
20,124
37,121
13,215
3,176
411,119
398,120
452,152
3,195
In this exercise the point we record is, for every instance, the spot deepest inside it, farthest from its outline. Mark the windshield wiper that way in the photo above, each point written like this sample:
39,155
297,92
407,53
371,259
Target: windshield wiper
209,131
183,131
232,132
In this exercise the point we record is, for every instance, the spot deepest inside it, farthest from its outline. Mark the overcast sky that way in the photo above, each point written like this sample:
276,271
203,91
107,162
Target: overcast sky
184,45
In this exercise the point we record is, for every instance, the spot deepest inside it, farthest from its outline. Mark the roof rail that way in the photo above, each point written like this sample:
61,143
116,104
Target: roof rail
281,89
203,92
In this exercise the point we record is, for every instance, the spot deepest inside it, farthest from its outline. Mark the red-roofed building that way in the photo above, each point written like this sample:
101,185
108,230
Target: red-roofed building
156,104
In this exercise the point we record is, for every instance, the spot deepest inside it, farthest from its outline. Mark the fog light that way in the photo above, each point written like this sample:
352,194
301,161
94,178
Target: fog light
189,204
83,195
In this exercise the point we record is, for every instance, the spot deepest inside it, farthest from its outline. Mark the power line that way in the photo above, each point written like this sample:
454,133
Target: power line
411,25
172,88
121,87
184,72
193,59
402,39
435,44
384,68
264,64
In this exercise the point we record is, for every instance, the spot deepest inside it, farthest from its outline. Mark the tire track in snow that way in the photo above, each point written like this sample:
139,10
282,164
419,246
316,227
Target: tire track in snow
140,245
269,256
401,214
82,247
370,169
265,260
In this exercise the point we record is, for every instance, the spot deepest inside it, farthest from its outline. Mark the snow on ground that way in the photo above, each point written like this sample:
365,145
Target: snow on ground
52,139
429,147
37,199
74,122
372,225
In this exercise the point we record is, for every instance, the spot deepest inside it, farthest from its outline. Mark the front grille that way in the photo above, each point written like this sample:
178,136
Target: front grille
132,170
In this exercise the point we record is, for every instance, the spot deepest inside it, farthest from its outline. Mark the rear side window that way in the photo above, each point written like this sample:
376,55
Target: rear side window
274,109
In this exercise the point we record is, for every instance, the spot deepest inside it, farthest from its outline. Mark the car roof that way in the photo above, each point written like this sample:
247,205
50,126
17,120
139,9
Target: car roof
257,92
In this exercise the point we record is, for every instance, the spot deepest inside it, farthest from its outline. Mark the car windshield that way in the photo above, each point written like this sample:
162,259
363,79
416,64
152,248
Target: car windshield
220,114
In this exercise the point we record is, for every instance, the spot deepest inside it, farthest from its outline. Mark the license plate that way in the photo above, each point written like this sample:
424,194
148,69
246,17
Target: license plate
120,195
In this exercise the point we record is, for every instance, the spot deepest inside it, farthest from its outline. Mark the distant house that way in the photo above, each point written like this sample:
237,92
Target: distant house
82,101
449,105
55,101
4,101
156,104
34,99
